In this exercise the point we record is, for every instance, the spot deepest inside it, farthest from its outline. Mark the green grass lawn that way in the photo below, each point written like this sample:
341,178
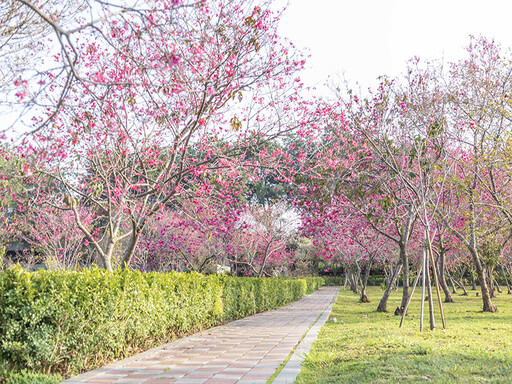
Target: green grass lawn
365,346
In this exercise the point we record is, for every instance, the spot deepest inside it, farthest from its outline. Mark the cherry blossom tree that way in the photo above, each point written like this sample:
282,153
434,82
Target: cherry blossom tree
42,48
261,242
54,235
166,99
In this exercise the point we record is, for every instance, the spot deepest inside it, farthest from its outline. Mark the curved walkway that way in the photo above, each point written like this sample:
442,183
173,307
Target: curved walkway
246,351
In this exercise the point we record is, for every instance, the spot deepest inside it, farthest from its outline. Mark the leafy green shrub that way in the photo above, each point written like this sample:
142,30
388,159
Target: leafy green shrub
373,280
313,283
70,321
378,280
27,377
247,296
334,280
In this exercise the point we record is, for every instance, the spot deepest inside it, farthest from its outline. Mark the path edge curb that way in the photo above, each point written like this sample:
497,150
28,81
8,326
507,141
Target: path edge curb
292,368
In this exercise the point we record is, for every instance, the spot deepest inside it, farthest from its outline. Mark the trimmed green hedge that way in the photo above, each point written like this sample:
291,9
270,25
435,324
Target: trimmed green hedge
71,321
373,280
334,280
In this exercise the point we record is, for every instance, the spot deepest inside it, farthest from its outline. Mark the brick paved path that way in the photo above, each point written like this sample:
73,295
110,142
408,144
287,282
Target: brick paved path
245,351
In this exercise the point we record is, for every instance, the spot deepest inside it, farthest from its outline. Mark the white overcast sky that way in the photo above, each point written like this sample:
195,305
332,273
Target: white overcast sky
362,39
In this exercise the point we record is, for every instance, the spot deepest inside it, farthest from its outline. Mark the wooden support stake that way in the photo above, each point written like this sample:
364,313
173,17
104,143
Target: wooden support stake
410,296
424,260
429,245
431,317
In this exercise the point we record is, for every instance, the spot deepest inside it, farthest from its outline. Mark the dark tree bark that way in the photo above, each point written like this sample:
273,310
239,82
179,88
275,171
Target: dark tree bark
492,289
430,299
405,275
488,306
472,246
454,288
498,288
364,298
442,280
504,273
352,279
382,307
454,281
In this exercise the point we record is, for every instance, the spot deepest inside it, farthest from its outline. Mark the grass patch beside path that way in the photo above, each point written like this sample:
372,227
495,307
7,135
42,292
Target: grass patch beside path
365,346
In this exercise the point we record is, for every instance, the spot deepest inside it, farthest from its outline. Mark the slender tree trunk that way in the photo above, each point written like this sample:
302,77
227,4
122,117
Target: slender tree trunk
436,280
498,288
388,275
442,281
461,285
506,279
423,278
488,276
488,306
382,307
107,259
357,277
405,276
364,298
452,282
404,312
353,283
493,282
100,260
473,282
130,252
432,320
395,283
264,261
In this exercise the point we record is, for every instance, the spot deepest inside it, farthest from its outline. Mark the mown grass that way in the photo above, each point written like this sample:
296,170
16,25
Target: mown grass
365,346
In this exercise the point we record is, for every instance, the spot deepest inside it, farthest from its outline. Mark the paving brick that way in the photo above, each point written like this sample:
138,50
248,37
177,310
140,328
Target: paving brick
245,351
221,381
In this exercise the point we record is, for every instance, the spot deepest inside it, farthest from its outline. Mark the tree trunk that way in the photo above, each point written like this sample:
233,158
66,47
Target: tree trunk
473,282
130,251
357,277
353,282
454,289
488,306
423,278
364,298
498,288
107,257
430,298
506,279
395,284
264,261
405,275
492,291
404,312
387,275
442,281
452,282
382,307
461,285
